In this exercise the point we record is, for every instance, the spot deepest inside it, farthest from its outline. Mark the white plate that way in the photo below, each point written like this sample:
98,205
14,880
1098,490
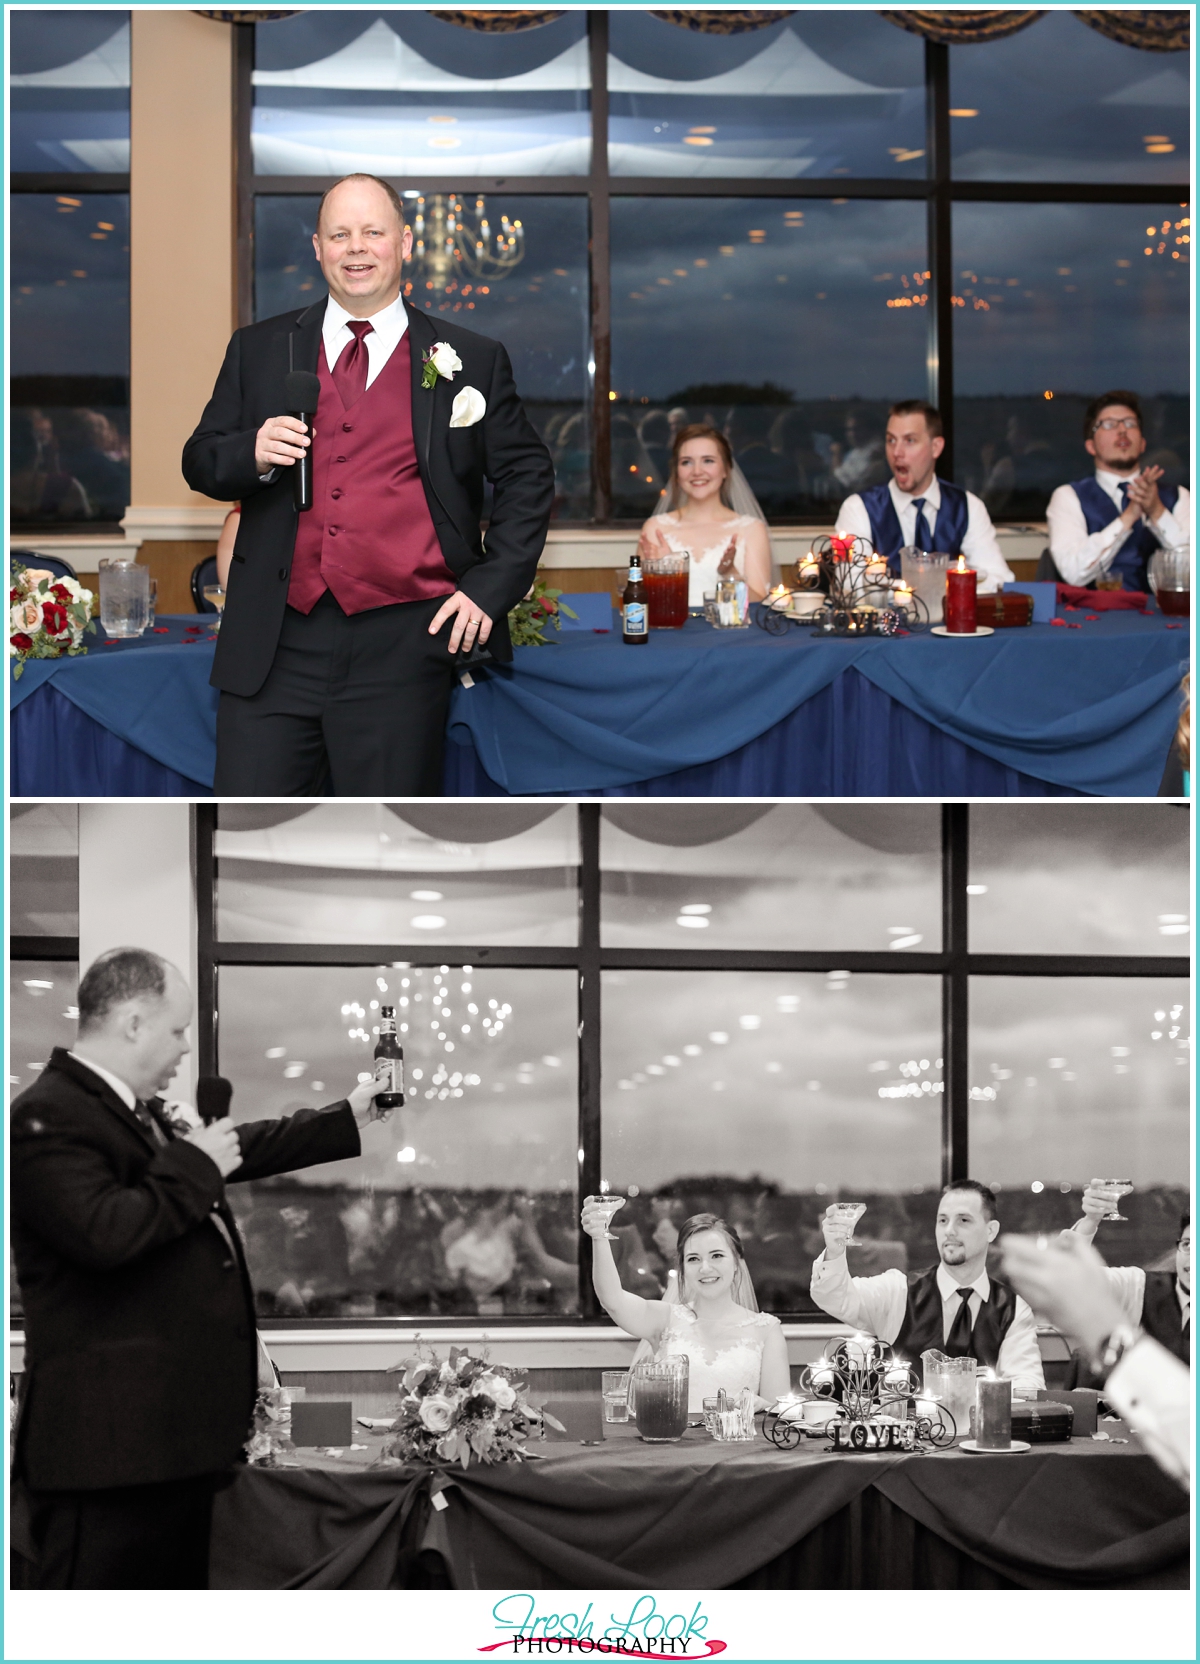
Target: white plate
962,635
1017,1444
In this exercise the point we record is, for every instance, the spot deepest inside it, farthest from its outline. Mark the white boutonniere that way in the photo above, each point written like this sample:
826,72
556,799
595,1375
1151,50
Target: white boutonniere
442,361
468,408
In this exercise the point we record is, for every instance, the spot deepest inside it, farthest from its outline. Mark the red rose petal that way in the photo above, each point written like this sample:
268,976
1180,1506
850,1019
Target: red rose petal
1091,618
1061,622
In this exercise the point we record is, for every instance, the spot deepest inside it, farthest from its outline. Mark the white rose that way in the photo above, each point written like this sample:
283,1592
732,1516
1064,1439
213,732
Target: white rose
35,574
445,360
437,1414
498,1390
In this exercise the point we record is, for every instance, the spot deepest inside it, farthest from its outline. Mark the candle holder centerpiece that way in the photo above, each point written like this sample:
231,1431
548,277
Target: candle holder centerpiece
843,588
877,1400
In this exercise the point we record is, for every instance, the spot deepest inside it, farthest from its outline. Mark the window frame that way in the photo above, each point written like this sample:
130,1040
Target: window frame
938,190
954,963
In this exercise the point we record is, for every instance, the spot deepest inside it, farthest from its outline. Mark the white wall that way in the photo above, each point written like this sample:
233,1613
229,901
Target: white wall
136,889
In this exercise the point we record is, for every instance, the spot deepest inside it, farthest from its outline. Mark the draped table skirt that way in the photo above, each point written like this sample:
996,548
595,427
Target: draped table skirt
1042,711
697,1515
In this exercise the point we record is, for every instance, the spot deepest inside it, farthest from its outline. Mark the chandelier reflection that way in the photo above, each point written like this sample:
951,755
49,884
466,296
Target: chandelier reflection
452,243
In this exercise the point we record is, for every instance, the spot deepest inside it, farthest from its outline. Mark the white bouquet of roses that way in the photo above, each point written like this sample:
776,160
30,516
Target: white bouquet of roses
47,616
465,1407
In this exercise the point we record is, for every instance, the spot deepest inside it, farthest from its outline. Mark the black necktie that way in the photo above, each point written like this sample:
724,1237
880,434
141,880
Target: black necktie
1123,488
922,537
958,1342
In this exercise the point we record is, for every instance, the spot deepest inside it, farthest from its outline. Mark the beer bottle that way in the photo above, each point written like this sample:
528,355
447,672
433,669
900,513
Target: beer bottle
635,621
389,1060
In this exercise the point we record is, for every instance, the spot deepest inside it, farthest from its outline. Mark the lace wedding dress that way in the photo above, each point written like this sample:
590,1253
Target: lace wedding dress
709,547
735,1365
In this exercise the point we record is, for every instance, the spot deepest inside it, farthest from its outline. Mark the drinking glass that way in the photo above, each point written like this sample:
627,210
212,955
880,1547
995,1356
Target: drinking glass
614,1386
214,594
124,597
712,1408
610,1204
925,574
848,1213
1119,1188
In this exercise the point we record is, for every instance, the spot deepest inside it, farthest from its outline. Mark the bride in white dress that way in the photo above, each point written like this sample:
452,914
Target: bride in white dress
710,513
716,1323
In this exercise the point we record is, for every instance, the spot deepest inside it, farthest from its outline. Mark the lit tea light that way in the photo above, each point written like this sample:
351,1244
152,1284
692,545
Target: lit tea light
860,1350
823,1375
897,1374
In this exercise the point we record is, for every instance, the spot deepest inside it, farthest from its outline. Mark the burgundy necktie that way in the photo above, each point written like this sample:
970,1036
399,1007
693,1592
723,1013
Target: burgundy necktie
350,371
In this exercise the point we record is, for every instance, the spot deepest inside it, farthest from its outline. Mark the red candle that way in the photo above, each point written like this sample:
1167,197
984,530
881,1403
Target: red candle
960,599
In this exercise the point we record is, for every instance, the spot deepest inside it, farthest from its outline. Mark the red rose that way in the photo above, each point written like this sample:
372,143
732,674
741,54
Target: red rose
549,606
22,642
54,617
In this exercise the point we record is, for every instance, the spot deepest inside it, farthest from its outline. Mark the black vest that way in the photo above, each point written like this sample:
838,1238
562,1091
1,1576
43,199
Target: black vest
1161,1316
922,1328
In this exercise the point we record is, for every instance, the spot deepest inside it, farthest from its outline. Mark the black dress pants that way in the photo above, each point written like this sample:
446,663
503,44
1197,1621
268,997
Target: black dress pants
353,706
131,1537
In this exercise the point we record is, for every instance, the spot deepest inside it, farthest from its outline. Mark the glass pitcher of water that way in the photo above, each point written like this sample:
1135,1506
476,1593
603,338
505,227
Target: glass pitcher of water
952,1381
124,597
925,575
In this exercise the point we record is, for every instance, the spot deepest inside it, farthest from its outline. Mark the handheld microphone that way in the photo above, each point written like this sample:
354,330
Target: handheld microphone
301,390
214,1092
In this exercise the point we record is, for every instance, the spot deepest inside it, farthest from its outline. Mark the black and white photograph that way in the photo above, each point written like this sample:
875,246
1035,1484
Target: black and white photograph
664,1154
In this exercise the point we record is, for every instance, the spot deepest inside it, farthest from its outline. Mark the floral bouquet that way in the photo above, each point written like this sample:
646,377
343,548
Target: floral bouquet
463,1408
528,619
47,616
271,1429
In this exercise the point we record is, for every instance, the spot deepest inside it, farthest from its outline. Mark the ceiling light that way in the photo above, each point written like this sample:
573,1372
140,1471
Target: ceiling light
428,921
425,895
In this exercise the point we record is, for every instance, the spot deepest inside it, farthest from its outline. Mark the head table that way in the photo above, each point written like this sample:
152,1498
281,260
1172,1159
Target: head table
700,1515
1086,705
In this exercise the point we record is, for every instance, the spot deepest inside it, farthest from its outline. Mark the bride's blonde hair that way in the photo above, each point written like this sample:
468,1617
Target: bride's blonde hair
700,430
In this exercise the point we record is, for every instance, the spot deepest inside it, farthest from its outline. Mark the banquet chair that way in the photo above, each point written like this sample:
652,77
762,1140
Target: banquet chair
1047,572
45,563
204,572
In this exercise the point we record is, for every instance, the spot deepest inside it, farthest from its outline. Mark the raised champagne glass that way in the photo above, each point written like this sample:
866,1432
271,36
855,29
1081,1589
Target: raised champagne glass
848,1214
1119,1188
610,1204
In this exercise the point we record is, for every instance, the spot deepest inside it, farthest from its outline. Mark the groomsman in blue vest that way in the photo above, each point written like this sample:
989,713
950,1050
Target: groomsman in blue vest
1160,1302
955,1307
1110,524
915,509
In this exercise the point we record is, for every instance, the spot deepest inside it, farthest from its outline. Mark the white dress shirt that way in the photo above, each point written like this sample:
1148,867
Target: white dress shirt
387,330
979,546
877,1305
1152,1390
1082,556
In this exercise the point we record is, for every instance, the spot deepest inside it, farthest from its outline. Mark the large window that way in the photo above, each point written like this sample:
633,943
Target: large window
69,295
779,223
751,1009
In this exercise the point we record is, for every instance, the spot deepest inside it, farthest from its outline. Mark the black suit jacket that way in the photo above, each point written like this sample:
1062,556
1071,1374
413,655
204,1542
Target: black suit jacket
140,1350
502,447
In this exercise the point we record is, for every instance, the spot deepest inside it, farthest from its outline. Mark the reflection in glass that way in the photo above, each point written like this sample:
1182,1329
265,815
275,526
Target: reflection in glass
820,94
1055,303
1075,1076
539,311
41,1015
69,359
797,876
43,866
402,872
402,92
763,1097
1060,101
792,325
69,91
464,1200
1097,879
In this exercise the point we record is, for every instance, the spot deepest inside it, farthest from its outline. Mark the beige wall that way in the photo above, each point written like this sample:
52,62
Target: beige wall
182,299
136,890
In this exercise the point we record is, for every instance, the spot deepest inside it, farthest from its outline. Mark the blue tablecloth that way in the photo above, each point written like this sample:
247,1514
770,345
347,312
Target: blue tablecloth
1045,710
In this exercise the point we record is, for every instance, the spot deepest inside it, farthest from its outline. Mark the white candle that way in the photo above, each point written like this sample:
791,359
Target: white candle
928,1407
897,1374
860,1349
822,1375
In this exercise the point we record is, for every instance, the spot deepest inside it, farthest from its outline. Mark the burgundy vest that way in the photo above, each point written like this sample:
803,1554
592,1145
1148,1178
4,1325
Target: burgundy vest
368,537
921,1330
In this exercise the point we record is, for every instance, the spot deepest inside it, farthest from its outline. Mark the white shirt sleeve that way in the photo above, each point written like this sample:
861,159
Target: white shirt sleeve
1173,526
874,1304
1153,1392
1128,1284
1020,1356
854,521
982,550
1081,556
